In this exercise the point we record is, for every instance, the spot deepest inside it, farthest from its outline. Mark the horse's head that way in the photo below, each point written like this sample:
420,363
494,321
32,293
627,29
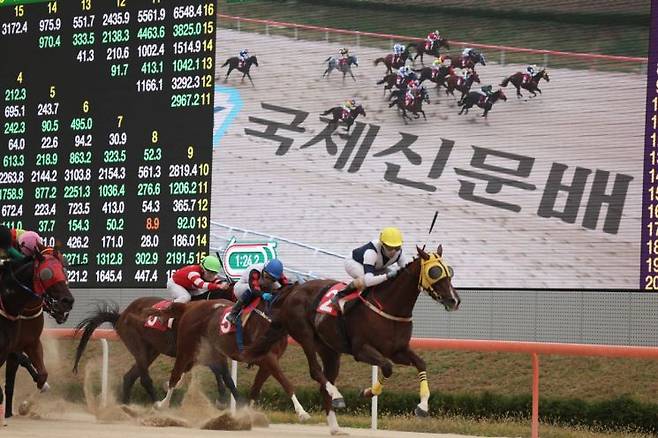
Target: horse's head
435,279
544,74
359,110
500,94
481,59
443,42
475,77
352,60
50,282
253,60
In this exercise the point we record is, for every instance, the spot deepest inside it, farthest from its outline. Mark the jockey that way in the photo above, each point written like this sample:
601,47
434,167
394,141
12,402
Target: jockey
468,52
398,50
344,53
486,90
195,280
403,74
9,243
431,39
347,107
412,91
257,280
530,72
243,56
373,263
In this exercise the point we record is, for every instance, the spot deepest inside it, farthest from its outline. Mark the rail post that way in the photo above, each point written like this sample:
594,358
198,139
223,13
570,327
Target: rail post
545,59
502,57
296,33
267,29
326,35
535,396
373,402
234,377
358,38
238,24
105,372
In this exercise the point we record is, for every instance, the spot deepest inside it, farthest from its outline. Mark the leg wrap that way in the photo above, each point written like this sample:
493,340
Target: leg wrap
424,387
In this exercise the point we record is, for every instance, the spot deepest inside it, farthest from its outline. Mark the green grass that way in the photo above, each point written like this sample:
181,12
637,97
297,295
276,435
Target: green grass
621,39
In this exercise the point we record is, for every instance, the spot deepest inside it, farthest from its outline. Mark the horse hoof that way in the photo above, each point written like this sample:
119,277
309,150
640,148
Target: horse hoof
45,387
421,412
338,403
338,432
367,393
159,405
304,416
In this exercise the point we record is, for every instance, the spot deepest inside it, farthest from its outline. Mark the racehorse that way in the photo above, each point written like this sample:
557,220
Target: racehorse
480,99
344,66
207,321
376,330
469,61
421,48
136,328
339,117
415,106
391,62
39,277
523,80
393,80
234,64
457,82
435,75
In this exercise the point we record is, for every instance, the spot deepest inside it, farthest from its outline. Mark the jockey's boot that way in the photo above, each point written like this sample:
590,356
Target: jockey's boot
242,302
343,293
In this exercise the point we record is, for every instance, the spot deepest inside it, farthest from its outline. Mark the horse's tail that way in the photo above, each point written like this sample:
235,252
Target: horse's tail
505,81
329,111
226,63
264,343
378,60
104,313
327,60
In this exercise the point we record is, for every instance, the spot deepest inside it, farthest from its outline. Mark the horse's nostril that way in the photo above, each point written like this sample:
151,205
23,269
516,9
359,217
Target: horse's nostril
68,301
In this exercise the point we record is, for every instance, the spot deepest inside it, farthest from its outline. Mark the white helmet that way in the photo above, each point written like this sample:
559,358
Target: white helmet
404,69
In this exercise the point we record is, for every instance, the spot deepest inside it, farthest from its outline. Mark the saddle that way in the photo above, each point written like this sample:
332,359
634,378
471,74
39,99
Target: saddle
325,305
409,100
526,78
157,320
225,327
345,115
342,61
429,45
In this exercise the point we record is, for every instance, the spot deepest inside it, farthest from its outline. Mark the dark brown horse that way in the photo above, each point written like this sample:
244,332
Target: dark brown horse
471,61
438,76
415,106
421,48
522,80
393,80
234,64
481,100
378,329
206,321
146,343
38,277
338,116
457,82
391,62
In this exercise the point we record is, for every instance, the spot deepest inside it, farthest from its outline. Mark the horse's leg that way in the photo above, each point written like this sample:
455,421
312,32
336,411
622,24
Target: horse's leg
423,113
368,354
218,370
230,69
35,353
308,345
272,364
352,74
409,357
250,80
518,92
3,421
331,366
184,363
262,375
10,380
128,381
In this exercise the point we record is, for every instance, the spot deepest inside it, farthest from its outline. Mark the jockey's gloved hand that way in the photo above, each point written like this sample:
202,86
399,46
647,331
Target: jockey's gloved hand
267,296
392,273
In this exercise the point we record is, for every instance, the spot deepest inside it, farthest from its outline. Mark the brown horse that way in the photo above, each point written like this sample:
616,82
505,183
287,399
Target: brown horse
234,64
338,117
206,321
468,61
457,82
421,48
391,62
481,100
522,80
28,341
415,106
438,76
377,329
38,277
146,343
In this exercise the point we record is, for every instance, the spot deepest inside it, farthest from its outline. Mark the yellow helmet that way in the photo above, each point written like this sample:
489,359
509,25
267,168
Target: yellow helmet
391,236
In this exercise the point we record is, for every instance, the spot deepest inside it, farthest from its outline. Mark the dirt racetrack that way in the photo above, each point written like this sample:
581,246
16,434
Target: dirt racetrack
86,426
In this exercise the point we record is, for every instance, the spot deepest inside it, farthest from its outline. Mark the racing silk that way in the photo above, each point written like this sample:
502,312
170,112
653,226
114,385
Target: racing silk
375,262
432,36
13,251
190,278
252,275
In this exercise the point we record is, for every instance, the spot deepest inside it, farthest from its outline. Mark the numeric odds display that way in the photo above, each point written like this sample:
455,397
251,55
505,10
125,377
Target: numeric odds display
106,139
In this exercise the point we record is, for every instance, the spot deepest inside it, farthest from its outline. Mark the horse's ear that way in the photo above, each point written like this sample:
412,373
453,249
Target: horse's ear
422,253
439,250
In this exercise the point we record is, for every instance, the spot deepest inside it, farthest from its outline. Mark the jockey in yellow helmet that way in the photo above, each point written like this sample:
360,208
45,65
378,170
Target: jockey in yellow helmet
375,262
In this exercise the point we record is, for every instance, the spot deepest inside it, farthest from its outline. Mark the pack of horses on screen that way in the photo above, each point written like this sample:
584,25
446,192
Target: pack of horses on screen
405,83
374,328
